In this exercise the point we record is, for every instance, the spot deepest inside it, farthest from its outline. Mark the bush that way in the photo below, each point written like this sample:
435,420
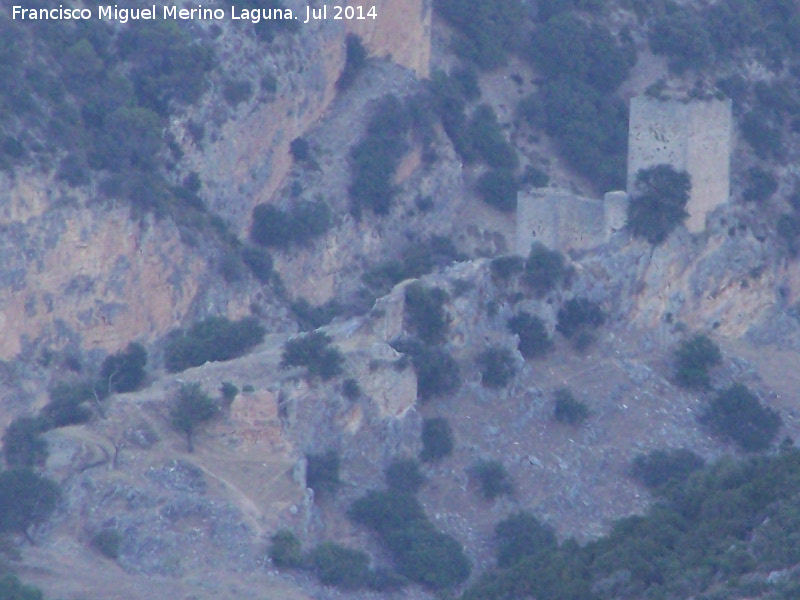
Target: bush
437,372
229,391
737,415
313,317
336,565
534,341
497,367
124,372
693,358
322,472
210,340
23,444
25,499
299,225
659,202
192,408
107,542
67,404
313,351
259,261
285,550
579,315
403,475
568,410
437,439
355,59
660,467
236,91
488,143
492,477
521,535
761,185
376,157
504,268
424,309
682,36
498,188
11,588
545,270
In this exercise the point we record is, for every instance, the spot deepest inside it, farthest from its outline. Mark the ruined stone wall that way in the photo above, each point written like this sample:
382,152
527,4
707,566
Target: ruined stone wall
691,136
559,220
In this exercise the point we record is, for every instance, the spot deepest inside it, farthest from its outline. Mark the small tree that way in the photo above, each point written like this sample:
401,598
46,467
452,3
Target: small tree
659,202
23,444
493,478
285,550
25,499
339,566
498,188
497,367
313,351
522,535
736,414
545,269
534,342
424,308
568,410
660,467
579,317
192,408
693,358
437,439
124,371
322,472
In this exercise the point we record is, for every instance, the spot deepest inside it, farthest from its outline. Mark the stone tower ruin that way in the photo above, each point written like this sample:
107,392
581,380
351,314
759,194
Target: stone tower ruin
695,137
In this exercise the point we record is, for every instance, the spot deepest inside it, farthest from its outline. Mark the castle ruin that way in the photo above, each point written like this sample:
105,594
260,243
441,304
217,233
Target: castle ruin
695,137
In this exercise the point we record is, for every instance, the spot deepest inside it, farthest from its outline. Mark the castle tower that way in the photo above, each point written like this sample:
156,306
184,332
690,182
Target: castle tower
695,137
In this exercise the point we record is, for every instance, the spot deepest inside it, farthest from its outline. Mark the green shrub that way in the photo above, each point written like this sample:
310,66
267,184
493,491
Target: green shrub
534,341
322,472
23,444
313,317
682,37
124,371
498,188
403,475
659,202
300,149
521,535
299,225
259,261
424,310
236,91
693,358
376,157
313,351
210,340
788,227
11,588
67,403
350,389
437,372
568,409
737,415
355,59
487,141
336,565
488,31
761,185
545,270
660,467
579,315
192,408
229,391
497,367
25,499
437,439
107,543
504,268
285,550
763,131
493,479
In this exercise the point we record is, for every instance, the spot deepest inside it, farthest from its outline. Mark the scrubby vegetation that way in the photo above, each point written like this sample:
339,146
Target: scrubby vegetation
285,550
693,358
322,472
661,467
545,269
210,340
493,478
404,475
26,498
659,202
23,444
497,367
277,228
336,565
498,188
534,341
578,319
425,313
355,59
706,536
569,410
737,415
438,373
191,408
437,439
124,371
315,352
